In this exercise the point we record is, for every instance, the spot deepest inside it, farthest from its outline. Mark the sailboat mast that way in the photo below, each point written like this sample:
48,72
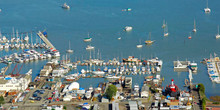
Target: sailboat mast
218,29
194,24
149,35
69,45
13,30
31,38
207,4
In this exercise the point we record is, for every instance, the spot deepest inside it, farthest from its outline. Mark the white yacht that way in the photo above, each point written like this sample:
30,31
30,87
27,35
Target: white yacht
217,36
17,46
22,46
128,28
69,50
139,45
194,29
98,72
6,46
136,87
165,34
89,47
26,38
207,9
164,25
1,46
65,6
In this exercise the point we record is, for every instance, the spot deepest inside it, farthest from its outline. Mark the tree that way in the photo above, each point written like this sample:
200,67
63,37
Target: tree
203,103
111,91
201,88
2,100
64,107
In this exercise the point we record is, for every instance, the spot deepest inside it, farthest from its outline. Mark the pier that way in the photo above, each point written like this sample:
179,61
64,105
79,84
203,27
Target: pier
45,40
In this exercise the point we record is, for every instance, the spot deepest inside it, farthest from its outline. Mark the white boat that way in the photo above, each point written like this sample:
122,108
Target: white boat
112,78
89,47
12,46
1,46
65,6
217,36
119,38
4,39
207,9
17,46
88,39
69,50
128,28
26,38
139,45
194,29
136,87
22,46
88,94
149,41
27,46
127,9
165,34
6,46
98,72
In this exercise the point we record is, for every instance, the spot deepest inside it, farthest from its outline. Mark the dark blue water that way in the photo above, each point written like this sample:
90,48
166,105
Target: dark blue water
105,21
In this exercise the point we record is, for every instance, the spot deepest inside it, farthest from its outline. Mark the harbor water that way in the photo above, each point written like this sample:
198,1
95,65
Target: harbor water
104,20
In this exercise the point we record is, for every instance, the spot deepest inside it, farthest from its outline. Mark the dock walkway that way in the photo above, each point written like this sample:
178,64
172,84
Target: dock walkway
45,40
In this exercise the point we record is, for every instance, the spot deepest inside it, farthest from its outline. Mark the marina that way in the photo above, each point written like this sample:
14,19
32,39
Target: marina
68,72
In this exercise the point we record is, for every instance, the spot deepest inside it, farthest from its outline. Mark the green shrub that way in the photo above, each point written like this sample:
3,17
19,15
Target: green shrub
111,91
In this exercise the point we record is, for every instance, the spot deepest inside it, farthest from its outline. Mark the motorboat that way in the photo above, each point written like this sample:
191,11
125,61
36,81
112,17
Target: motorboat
99,72
128,28
65,6
89,47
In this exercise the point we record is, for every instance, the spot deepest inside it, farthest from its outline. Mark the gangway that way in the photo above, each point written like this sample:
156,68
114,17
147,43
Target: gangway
45,40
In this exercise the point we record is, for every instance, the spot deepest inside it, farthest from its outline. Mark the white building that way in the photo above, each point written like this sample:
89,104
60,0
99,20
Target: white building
13,83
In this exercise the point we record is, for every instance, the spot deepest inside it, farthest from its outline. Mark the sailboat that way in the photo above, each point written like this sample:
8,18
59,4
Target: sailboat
89,47
26,38
207,9
194,29
88,39
32,46
217,36
69,50
190,37
164,25
65,6
148,42
139,45
165,34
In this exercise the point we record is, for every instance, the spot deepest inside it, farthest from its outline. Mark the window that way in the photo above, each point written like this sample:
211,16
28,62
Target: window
9,85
